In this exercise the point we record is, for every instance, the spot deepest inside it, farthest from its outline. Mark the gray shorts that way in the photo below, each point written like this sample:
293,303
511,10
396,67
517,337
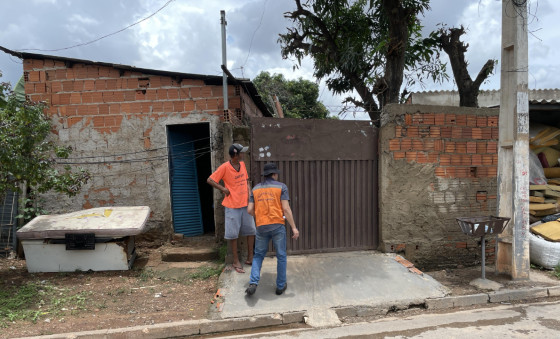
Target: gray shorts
239,223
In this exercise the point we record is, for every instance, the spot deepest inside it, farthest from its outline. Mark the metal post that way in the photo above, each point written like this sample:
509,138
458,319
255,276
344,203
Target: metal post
483,241
513,151
224,60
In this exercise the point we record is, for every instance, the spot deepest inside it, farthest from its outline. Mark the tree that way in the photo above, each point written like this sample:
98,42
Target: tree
299,98
449,41
27,157
367,46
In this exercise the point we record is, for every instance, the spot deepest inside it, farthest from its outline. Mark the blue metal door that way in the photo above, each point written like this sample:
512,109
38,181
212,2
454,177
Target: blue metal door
185,198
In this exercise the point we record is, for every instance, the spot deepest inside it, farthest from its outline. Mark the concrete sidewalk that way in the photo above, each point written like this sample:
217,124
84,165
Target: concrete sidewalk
329,281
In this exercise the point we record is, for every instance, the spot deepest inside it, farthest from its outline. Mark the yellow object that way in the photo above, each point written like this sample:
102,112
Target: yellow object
549,230
552,172
106,214
550,154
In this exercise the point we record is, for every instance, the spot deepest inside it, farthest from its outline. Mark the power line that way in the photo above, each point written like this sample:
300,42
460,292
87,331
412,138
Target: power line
252,37
179,155
103,37
131,153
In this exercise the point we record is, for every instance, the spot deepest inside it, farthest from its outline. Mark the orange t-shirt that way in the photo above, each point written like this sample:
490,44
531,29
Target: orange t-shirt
267,197
235,182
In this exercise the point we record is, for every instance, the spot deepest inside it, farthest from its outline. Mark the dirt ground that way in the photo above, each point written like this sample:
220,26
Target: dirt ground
157,292
458,280
152,292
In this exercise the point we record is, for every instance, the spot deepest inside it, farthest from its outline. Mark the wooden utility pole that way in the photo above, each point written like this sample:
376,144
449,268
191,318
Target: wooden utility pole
513,150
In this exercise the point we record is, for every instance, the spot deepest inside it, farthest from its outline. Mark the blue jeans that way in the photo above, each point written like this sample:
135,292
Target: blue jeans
278,237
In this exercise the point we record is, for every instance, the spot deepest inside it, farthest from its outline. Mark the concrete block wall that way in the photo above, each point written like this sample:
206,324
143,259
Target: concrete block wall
437,163
115,120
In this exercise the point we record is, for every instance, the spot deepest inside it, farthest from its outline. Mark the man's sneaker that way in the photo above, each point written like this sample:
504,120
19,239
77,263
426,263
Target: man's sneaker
281,290
251,289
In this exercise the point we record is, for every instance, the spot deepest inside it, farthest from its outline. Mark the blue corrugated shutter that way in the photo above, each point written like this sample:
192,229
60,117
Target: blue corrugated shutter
185,199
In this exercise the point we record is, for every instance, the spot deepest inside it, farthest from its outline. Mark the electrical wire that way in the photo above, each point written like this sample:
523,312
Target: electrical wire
179,155
100,38
166,170
137,152
253,36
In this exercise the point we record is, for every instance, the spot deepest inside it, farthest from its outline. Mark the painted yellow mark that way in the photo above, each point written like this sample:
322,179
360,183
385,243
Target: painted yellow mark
105,214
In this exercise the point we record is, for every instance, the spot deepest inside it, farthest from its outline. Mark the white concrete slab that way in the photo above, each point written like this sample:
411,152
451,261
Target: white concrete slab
366,278
117,221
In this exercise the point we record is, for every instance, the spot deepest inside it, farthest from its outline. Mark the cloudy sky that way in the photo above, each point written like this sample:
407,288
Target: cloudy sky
185,36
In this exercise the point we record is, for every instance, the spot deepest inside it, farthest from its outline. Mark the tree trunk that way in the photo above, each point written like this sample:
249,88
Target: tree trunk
388,89
468,89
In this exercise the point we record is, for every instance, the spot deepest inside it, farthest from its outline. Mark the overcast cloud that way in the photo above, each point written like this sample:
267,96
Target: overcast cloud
185,36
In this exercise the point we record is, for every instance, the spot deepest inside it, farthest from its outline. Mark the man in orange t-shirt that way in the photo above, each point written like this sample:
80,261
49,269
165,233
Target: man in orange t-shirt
236,192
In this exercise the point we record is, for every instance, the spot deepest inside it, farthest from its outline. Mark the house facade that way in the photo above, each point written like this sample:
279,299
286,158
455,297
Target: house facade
147,137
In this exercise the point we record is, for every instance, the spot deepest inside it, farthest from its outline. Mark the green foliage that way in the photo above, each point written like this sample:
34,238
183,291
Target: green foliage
30,211
556,271
18,303
222,253
366,46
26,153
206,272
35,300
299,98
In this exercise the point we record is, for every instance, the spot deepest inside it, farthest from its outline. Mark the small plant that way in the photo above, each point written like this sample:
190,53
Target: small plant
19,303
222,253
556,271
146,275
206,272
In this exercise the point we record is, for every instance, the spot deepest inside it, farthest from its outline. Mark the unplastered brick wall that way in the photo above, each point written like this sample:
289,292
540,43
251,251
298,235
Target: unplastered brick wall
115,120
437,163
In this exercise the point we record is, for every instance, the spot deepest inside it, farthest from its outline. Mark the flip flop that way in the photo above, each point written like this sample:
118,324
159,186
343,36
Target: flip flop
238,269
248,262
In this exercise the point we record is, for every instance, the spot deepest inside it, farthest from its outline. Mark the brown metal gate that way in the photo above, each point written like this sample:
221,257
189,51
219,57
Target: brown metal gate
330,168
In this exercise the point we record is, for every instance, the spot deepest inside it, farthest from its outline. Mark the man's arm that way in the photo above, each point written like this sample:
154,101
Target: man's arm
217,186
251,208
289,216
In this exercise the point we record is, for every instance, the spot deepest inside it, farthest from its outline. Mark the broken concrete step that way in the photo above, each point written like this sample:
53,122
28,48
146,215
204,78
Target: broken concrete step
180,254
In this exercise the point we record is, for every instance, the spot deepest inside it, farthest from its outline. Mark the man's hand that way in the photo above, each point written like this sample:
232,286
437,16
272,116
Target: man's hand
295,233
226,192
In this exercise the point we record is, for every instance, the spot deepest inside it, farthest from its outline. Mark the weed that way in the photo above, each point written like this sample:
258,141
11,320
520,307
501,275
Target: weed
222,253
205,272
556,271
19,303
146,275
74,303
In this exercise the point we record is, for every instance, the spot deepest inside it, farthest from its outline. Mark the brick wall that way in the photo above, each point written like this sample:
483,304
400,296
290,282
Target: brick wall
436,164
113,116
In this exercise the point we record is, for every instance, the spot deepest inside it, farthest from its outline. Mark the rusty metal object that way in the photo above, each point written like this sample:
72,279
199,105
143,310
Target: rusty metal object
480,227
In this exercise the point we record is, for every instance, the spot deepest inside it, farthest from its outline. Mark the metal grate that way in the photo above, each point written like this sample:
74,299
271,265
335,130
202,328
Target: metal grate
8,212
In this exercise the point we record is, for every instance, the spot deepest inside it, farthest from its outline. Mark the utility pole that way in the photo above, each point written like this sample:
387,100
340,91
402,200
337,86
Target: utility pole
513,150
224,60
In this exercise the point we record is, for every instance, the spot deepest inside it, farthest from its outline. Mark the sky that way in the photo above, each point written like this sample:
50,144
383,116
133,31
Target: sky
185,36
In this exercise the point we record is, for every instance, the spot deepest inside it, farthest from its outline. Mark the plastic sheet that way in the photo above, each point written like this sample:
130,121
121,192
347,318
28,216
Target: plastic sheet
543,253
536,172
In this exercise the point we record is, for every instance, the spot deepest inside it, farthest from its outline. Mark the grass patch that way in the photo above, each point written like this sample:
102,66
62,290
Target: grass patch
146,275
19,303
222,253
33,300
206,272
556,271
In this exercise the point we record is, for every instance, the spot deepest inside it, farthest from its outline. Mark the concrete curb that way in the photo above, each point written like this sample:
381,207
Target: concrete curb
198,327
493,297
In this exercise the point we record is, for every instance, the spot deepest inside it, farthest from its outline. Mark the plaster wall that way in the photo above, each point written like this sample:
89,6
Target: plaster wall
115,120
